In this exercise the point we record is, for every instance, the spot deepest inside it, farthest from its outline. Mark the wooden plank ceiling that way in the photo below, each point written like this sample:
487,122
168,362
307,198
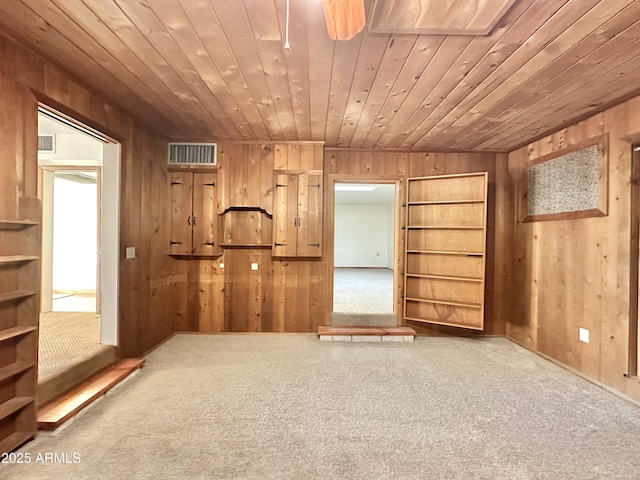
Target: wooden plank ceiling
216,69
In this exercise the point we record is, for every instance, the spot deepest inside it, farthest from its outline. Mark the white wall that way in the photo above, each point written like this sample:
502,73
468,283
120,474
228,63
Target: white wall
361,238
75,239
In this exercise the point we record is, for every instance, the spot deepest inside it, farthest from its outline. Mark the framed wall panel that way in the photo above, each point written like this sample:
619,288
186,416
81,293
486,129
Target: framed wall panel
568,183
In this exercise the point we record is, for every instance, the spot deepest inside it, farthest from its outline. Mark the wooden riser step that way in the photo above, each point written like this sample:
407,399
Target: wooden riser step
328,333
60,410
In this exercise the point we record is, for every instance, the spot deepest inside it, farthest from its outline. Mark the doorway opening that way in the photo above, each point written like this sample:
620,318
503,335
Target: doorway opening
79,188
364,254
634,304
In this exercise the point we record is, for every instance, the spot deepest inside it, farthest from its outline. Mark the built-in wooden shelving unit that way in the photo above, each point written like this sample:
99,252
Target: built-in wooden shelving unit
19,309
446,224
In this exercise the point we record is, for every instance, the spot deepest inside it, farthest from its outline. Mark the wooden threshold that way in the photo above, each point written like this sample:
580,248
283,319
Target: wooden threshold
58,411
330,330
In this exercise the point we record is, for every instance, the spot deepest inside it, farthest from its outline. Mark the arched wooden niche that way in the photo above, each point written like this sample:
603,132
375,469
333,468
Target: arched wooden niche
569,183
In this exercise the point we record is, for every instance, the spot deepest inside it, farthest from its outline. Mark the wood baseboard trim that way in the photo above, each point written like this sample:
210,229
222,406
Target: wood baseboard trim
577,372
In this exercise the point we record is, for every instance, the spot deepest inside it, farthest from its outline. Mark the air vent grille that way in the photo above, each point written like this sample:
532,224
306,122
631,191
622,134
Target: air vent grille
192,153
46,143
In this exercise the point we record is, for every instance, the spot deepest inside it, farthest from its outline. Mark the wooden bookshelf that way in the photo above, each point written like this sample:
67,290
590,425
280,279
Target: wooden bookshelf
446,225
19,312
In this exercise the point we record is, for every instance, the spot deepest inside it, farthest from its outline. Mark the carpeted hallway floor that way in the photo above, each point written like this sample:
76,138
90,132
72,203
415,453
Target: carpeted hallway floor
67,339
363,290
287,406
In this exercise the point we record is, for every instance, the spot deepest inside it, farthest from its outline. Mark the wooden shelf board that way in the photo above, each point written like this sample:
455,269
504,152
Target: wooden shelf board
445,302
16,224
445,252
14,405
446,227
15,440
440,322
15,332
246,245
14,369
16,295
443,277
8,259
444,202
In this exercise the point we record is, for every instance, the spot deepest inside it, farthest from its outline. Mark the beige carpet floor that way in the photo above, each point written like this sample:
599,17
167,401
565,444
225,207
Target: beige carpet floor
287,406
363,290
67,339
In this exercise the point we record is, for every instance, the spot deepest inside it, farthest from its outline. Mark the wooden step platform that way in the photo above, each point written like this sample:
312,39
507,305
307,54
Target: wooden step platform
329,333
65,407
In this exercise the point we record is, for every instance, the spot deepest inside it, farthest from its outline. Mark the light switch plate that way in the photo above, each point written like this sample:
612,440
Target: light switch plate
254,266
584,335
130,252
221,266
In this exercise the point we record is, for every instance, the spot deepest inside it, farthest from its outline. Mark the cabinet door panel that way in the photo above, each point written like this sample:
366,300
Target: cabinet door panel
285,218
181,196
204,218
309,215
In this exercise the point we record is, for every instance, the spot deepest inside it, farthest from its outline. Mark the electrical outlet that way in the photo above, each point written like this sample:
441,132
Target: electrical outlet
222,266
130,252
584,335
254,266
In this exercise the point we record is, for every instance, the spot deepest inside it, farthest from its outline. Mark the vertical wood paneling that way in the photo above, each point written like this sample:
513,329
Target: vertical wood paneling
146,282
378,165
280,295
575,274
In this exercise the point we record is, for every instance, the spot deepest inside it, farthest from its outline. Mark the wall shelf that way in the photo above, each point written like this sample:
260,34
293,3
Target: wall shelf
445,302
445,252
246,245
16,224
15,369
14,405
14,440
11,259
16,295
446,227
14,332
444,202
444,277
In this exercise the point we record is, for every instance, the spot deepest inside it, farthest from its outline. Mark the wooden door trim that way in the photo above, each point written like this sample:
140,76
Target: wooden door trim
634,263
329,231
81,168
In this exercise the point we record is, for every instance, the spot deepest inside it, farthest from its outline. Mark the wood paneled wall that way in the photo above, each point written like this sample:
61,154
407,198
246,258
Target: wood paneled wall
284,294
294,295
147,283
577,273
381,165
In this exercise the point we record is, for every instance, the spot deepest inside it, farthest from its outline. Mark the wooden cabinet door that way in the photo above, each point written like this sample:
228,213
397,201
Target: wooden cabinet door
297,215
309,242
204,220
181,209
446,228
285,216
